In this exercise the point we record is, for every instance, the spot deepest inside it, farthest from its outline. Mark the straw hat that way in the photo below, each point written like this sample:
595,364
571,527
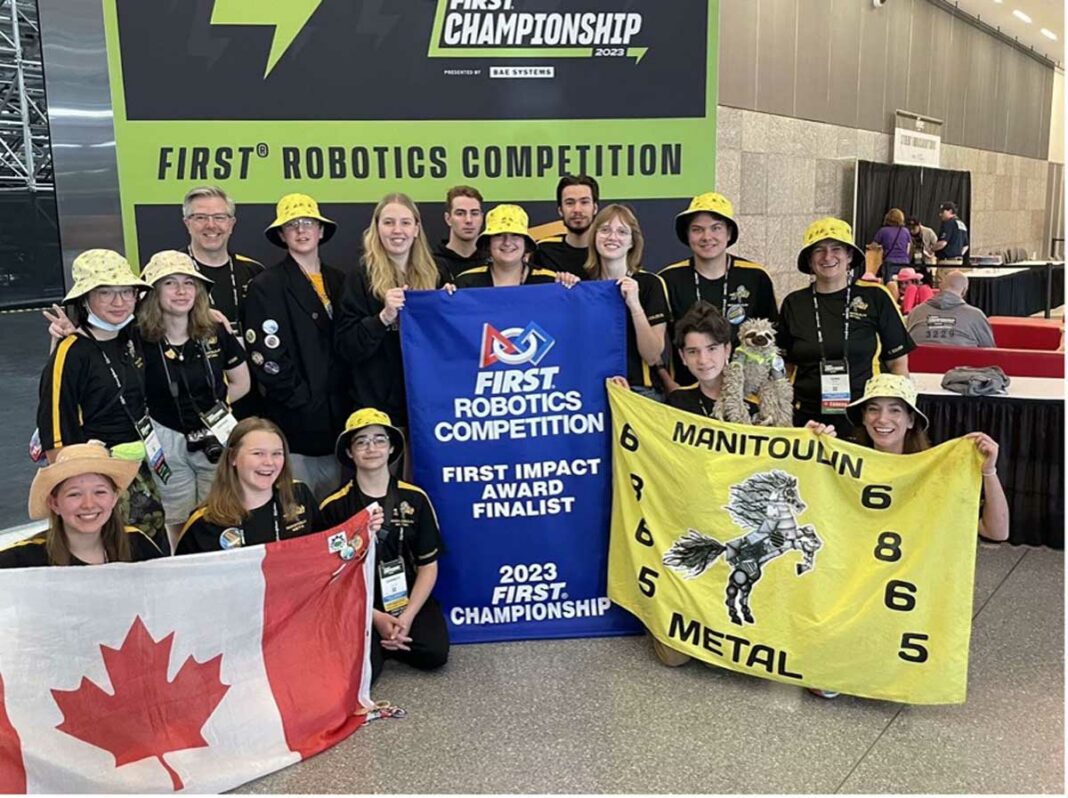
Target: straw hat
72,461
96,268
297,206
706,203
365,418
168,262
886,386
822,230
506,219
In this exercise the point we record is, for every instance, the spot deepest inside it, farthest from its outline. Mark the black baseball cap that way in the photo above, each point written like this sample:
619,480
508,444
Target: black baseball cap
948,206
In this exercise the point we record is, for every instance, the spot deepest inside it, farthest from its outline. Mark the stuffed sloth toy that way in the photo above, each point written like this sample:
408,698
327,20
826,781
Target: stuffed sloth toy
756,367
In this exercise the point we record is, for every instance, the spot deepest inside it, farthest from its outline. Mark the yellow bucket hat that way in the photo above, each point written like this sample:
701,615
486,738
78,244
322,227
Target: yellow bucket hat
506,219
297,206
74,460
100,267
823,229
706,203
886,386
168,262
365,417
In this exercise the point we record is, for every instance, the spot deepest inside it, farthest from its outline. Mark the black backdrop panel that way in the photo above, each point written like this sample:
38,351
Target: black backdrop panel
916,190
31,266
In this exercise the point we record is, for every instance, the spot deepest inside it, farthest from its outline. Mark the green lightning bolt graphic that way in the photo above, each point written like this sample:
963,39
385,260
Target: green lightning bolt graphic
287,18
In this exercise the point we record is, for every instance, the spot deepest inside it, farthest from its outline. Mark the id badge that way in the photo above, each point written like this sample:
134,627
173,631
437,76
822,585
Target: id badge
394,586
834,387
220,421
153,449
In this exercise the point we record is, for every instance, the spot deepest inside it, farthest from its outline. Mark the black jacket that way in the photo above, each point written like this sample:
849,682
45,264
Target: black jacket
299,373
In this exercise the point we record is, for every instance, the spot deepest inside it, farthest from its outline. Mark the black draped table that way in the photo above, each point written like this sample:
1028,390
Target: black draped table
1019,289
1028,425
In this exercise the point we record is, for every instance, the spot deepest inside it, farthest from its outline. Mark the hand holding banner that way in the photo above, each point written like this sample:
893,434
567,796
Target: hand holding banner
792,557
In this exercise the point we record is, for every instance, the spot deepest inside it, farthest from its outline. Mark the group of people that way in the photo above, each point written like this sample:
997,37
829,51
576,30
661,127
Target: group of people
140,399
910,244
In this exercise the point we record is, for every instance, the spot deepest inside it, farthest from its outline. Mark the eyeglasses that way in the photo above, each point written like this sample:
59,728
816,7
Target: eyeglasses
619,232
202,218
367,441
109,294
300,224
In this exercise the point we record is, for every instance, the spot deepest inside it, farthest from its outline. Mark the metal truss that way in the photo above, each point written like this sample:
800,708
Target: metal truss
25,147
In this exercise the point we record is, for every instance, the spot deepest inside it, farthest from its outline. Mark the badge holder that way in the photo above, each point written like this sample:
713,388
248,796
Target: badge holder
153,449
394,584
220,421
834,387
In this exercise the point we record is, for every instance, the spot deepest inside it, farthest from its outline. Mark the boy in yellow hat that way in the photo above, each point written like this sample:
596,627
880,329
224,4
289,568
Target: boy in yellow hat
289,317
741,289
507,240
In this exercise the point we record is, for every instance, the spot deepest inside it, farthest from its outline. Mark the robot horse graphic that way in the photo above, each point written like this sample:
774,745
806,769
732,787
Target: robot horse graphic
767,505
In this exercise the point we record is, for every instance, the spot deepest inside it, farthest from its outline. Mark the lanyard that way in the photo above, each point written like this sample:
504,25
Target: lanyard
181,373
701,402
697,286
233,284
819,329
114,376
274,512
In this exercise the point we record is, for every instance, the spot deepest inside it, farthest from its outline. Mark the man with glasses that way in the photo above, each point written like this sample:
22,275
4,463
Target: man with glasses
208,213
409,624
289,334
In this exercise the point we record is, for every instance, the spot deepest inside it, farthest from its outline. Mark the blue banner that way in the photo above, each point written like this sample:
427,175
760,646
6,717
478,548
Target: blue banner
510,434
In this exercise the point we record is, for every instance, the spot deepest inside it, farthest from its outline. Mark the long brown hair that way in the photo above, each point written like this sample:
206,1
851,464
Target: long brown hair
200,326
422,272
593,265
112,534
223,505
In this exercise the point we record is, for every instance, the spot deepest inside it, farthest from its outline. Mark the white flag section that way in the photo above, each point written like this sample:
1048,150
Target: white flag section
195,673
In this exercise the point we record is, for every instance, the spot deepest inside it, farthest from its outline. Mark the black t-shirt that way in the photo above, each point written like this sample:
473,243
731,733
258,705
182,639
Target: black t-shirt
652,296
230,286
876,333
31,553
750,295
955,234
556,254
265,524
410,529
482,277
455,264
78,398
195,367
693,400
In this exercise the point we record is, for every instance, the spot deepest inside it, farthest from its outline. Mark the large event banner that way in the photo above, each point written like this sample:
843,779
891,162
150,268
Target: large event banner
802,559
509,428
349,101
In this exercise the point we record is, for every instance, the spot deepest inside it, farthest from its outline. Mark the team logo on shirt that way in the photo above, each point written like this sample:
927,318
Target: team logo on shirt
766,505
514,346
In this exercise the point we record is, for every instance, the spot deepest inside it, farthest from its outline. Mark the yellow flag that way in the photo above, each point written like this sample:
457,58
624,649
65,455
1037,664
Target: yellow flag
803,559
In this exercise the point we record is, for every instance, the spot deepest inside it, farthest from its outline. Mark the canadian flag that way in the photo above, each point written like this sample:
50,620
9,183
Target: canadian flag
193,674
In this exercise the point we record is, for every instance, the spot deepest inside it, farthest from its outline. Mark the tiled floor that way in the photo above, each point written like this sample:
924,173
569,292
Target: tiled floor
602,716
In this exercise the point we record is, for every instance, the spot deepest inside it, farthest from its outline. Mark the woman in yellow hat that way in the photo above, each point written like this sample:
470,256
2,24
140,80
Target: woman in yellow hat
396,258
616,246
290,322
93,386
194,369
79,495
838,331
409,624
507,240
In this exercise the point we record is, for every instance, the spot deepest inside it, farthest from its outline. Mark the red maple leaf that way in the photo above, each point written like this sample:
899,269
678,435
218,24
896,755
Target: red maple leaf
147,715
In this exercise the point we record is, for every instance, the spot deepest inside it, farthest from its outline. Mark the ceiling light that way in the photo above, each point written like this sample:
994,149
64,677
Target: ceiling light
1021,15
1049,34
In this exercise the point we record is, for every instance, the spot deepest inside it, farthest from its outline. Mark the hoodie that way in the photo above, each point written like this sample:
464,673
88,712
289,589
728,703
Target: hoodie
948,320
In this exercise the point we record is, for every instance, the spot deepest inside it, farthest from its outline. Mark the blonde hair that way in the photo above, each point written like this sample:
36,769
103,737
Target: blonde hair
200,326
223,505
112,534
422,272
593,265
894,217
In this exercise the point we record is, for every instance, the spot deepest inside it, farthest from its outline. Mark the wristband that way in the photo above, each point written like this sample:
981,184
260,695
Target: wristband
989,473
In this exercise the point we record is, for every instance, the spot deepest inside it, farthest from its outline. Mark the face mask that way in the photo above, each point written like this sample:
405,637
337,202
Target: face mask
107,326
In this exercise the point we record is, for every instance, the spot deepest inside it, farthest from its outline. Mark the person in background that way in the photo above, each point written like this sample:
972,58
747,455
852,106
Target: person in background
923,241
616,254
836,332
948,320
93,387
911,290
896,242
740,288
290,313
409,624
952,240
576,202
79,495
507,239
194,369
254,498
463,216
